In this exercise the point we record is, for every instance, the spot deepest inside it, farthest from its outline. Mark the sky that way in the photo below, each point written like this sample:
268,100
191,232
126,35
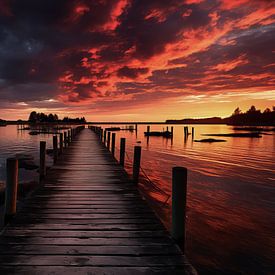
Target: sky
136,60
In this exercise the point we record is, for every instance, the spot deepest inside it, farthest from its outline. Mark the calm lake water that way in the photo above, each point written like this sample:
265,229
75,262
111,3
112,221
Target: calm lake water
231,190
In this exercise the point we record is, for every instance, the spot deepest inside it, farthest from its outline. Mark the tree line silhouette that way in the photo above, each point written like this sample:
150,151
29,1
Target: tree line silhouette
35,117
252,117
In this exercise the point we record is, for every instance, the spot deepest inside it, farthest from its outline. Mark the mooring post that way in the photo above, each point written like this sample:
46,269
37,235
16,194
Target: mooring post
136,163
68,138
42,167
108,140
193,132
172,130
61,143
101,135
11,188
55,149
122,151
179,191
65,140
113,144
148,129
104,137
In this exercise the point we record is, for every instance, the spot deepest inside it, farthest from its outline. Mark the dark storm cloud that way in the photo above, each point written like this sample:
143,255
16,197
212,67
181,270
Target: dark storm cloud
81,50
131,72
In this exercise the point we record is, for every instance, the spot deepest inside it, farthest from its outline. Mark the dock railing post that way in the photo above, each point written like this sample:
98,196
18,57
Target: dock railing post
179,191
108,140
101,135
55,149
136,163
113,144
122,151
61,143
42,167
104,137
69,137
65,140
11,189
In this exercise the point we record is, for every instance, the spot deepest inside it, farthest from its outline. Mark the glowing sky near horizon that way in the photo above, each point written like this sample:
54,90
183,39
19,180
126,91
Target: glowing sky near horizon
113,60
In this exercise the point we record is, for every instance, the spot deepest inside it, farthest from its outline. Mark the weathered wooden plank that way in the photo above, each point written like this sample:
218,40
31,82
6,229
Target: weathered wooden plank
84,241
19,249
83,233
106,270
172,260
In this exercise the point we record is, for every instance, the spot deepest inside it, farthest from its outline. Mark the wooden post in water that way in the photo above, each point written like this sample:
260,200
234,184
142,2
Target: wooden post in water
122,151
179,191
61,143
42,167
136,163
108,140
113,144
55,149
11,188
172,130
148,129
193,132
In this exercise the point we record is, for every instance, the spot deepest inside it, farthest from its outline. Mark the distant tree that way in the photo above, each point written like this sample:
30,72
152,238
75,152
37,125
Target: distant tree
267,110
33,117
252,110
51,118
237,111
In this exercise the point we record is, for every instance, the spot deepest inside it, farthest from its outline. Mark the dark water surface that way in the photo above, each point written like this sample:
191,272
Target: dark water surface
231,188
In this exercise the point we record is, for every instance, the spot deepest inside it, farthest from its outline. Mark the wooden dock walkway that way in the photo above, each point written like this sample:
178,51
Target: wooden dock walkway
88,218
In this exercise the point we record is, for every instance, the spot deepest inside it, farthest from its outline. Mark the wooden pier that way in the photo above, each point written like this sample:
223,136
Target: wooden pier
87,217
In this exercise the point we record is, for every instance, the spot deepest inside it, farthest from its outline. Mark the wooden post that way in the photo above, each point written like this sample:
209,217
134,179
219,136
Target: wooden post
167,128
42,167
104,138
108,140
148,129
65,139
193,132
61,143
101,134
113,144
136,163
68,137
179,191
11,188
172,130
55,149
122,151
